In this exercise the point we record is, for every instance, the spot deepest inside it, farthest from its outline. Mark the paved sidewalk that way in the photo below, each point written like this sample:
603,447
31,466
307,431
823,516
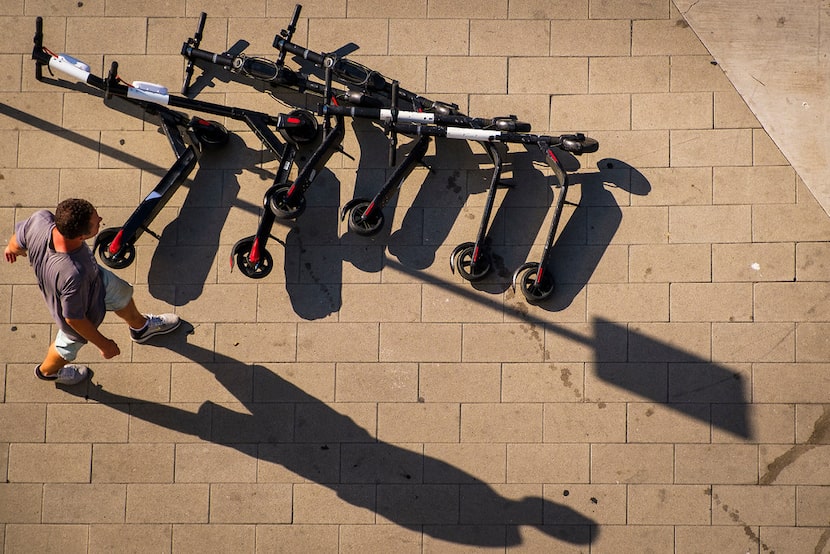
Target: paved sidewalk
671,397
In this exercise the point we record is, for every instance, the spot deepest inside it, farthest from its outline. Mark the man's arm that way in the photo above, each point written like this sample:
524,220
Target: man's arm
13,250
90,332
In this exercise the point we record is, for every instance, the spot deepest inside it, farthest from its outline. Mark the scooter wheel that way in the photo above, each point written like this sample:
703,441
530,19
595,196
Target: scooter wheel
469,270
284,207
242,253
122,259
532,291
365,227
307,131
212,134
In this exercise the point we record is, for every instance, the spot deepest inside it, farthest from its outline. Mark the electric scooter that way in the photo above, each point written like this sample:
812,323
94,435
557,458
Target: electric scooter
115,246
471,259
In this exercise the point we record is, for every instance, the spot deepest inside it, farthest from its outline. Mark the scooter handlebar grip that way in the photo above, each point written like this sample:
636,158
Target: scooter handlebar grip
191,53
37,52
38,31
70,67
283,45
200,27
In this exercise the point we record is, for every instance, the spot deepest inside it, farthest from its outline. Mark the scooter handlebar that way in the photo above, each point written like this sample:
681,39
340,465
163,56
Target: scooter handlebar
288,33
194,42
200,28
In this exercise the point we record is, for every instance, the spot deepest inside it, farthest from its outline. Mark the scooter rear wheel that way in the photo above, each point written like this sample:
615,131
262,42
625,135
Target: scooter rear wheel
242,253
212,134
121,259
284,207
365,227
469,270
532,291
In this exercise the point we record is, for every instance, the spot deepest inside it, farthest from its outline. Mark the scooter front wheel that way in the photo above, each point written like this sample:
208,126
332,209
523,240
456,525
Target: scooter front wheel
122,258
285,207
365,226
211,134
534,290
469,269
242,255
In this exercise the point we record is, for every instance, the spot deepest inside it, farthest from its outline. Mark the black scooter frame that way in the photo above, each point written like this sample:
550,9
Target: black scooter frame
365,216
364,84
368,91
286,199
536,278
187,137
115,246
471,259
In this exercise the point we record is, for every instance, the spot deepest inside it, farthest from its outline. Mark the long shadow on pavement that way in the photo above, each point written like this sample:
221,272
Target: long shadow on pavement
302,433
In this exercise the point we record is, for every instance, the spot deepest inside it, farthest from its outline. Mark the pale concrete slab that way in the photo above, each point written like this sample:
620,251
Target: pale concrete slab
775,53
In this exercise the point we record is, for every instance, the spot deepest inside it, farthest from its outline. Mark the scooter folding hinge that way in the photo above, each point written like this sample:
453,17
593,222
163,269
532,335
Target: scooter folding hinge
151,233
343,151
428,167
279,240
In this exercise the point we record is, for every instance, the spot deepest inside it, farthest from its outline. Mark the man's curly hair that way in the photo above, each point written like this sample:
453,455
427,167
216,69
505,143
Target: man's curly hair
72,217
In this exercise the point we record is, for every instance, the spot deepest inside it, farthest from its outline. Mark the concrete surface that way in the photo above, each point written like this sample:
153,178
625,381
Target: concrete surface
671,397
776,55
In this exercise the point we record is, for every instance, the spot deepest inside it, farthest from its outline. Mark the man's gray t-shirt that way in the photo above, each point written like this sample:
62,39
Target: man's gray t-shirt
71,283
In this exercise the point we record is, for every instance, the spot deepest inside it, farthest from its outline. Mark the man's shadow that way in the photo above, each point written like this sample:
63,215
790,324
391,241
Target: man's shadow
287,426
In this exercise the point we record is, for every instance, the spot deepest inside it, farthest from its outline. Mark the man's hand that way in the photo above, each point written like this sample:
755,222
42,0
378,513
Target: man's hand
86,329
13,250
109,349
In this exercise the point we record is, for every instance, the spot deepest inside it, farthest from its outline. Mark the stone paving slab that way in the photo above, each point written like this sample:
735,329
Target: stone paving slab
671,397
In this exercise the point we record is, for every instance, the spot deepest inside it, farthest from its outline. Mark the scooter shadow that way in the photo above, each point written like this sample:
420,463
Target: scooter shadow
315,250
192,239
313,257
597,218
455,178
595,200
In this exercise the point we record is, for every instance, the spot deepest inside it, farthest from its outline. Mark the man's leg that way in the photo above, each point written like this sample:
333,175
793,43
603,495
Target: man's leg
56,367
119,299
131,315
52,363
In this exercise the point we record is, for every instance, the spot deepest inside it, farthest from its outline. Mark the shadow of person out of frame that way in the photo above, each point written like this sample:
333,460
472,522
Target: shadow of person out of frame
632,364
626,358
285,425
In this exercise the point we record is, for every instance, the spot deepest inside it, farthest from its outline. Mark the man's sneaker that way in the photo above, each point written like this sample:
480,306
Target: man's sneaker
156,325
70,374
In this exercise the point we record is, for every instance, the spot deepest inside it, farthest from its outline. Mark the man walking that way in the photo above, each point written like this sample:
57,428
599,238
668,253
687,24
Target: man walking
77,291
